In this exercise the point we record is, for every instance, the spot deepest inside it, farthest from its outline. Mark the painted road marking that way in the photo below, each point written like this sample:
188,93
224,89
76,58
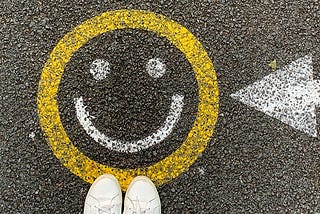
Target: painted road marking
196,141
290,95
132,146
155,68
99,69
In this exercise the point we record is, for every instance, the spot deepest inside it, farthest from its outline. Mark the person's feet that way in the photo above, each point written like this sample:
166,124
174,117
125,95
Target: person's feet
104,196
142,197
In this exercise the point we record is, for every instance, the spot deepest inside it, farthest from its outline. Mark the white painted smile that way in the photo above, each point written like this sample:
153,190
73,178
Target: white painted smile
130,146
156,69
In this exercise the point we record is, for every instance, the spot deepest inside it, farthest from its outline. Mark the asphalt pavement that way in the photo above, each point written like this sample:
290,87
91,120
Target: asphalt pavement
253,163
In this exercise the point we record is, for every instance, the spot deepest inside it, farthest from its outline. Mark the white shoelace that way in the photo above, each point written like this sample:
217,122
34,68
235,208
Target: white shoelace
138,207
105,207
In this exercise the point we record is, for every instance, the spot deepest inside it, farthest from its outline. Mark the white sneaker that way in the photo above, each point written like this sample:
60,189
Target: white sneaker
142,197
104,196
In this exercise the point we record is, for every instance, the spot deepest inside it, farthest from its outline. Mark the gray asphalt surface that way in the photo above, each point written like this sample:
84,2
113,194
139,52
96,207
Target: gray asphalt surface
253,164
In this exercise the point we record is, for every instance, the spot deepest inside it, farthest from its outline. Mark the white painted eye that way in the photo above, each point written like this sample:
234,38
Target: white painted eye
99,69
155,68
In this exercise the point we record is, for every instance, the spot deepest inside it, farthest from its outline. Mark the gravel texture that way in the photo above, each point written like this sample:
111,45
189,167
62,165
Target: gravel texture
253,164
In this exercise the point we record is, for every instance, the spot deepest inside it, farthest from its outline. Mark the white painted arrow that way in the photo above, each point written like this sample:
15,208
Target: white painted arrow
289,94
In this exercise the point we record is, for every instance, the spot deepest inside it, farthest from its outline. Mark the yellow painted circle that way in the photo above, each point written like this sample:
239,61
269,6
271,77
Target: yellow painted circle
197,139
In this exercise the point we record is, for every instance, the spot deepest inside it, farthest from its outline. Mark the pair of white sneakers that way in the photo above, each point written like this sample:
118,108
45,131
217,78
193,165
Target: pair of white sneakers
105,197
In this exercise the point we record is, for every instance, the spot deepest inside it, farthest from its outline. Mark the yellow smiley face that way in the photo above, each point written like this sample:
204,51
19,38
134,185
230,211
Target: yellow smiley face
203,127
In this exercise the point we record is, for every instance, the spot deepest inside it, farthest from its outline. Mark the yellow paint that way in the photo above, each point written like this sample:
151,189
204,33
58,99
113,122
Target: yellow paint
196,141
273,65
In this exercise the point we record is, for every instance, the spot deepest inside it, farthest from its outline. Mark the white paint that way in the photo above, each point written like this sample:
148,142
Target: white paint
155,68
290,95
99,69
201,171
32,135
130,146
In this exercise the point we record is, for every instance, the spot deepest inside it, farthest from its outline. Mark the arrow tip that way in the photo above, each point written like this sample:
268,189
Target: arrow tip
288,95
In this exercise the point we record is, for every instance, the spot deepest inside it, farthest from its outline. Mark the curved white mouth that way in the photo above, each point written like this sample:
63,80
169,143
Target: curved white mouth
130,146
